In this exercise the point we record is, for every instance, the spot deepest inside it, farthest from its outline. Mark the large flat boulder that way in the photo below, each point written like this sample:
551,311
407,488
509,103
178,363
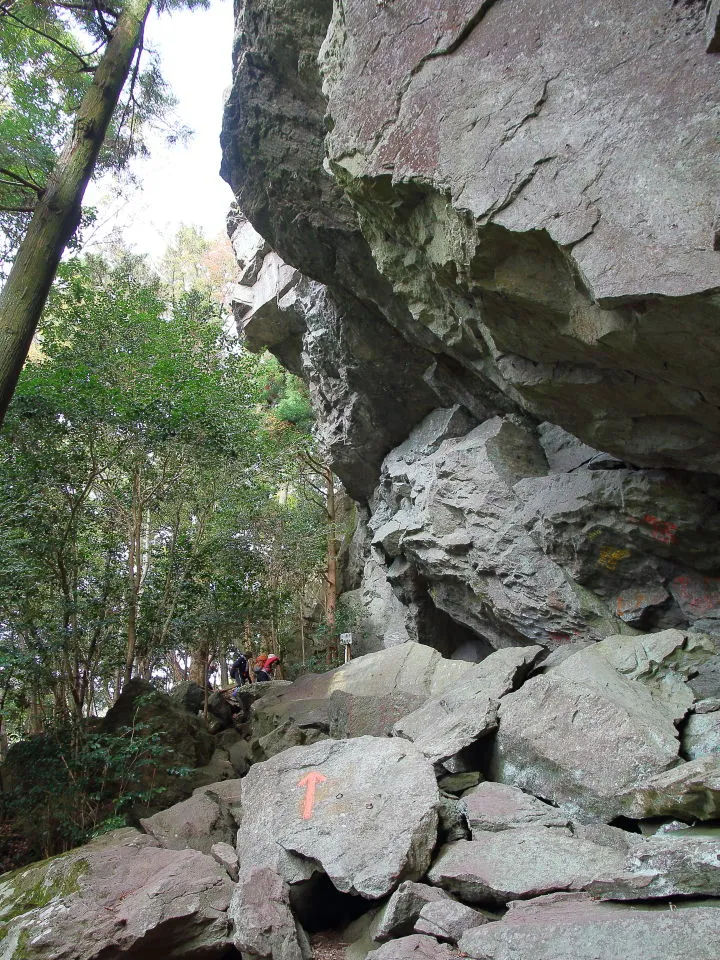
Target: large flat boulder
576,927
527,862
362,811
466,712
494,868
600,723
121,895
497,806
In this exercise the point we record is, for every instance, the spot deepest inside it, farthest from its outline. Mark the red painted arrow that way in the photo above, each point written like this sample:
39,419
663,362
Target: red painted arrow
310,782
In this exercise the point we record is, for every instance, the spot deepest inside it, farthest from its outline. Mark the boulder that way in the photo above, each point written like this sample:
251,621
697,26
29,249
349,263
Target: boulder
189,695
448,724
452,510
355,715
496,806
237,749
220,712
119,896
613,864
494,868
263,922
601,722
363,697
182,743
414,947
458,783
452,820
662,866
196,823
701,735
362,811
226,855
576,927
227,794
690,791
402,910
448,920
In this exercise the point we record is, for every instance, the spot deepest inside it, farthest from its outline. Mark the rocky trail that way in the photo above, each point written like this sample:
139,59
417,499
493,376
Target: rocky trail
410,806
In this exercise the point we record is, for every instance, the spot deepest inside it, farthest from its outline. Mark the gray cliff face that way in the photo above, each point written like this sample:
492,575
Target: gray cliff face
488,243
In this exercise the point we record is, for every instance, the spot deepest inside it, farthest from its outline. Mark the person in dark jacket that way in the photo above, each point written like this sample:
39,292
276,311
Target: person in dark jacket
240,672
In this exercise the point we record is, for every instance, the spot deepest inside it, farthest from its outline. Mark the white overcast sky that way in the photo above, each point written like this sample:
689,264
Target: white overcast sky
179,184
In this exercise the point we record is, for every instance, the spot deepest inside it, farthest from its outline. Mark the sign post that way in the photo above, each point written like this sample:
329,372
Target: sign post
346,640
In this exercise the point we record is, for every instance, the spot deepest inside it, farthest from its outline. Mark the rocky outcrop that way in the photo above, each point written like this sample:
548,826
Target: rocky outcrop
602,724
360,826
361,811
477,247
121,895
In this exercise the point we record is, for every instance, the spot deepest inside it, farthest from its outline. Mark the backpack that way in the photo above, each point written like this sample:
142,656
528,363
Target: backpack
260,660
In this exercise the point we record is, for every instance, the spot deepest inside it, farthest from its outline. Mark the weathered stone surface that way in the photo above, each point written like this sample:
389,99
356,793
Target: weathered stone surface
263,922
600,723
451,509
531,861
690,791
458,783
226,855
499,220
221,715
415,947
400,913
576,927
444,726
701,735
671,865
227,794
189,695
184,736
389,676
494,868
448,920
452,820
372,821
497,806
353,715
119,896
196,823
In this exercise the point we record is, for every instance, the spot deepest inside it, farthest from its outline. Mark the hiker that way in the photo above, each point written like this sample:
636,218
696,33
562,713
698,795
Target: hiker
240,672
264,666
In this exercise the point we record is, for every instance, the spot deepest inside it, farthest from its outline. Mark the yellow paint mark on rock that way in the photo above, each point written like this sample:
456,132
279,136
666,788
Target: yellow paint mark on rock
610,558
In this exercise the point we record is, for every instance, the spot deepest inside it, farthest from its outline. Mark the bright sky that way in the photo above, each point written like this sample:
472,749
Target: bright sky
179,184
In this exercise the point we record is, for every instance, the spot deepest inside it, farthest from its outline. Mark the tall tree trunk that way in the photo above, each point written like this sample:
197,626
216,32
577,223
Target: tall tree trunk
58,210
134,573
331,564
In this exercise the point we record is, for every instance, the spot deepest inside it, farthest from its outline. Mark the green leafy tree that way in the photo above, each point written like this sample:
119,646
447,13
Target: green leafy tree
54,199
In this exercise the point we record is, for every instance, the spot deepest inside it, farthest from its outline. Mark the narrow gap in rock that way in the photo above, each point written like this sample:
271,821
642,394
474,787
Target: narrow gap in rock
318,905
625,823
231,954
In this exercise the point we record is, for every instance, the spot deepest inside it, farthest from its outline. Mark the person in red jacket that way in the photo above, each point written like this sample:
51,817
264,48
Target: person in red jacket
265,672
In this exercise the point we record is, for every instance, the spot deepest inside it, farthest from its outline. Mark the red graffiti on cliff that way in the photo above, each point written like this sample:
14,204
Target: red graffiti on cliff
665,531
